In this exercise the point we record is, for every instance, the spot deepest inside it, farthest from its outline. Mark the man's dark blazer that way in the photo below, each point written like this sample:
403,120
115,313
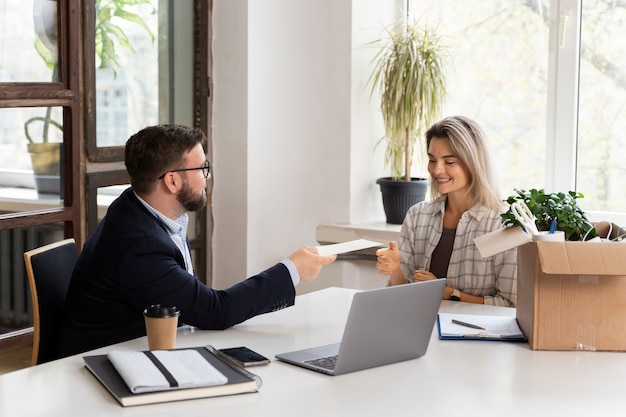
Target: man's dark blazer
130,262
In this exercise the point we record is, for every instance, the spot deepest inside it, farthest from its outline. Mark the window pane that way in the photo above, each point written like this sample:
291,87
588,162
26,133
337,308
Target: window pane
30,151
601,173
106,195
498,76
28,29
127,93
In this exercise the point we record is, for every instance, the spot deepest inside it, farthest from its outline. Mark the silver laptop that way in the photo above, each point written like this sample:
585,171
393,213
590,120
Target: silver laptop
384,326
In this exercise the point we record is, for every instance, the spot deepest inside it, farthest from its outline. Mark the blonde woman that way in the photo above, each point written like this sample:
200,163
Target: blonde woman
437,236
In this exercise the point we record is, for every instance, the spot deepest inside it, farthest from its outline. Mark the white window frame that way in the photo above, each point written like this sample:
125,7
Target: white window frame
563,78
562,115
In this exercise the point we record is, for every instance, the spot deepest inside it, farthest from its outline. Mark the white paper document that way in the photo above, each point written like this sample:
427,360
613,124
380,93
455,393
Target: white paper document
346,246
501,240
464,326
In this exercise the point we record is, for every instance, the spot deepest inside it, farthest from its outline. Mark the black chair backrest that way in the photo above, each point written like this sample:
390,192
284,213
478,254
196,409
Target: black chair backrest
49,270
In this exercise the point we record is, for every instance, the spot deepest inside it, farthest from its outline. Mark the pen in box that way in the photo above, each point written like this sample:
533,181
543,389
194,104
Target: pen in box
553,225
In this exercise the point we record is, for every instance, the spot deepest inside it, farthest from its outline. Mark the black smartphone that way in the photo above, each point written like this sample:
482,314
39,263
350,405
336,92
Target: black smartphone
245,356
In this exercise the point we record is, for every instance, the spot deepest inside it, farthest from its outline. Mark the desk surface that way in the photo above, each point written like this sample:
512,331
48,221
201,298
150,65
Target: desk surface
464,378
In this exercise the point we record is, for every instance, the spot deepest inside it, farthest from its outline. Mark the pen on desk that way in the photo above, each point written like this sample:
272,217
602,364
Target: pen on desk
553,225
462,323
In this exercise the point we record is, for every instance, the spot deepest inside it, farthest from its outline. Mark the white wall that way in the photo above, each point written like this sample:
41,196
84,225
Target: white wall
293,128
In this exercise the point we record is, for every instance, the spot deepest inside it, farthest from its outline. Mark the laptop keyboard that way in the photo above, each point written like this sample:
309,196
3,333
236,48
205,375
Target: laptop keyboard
326,363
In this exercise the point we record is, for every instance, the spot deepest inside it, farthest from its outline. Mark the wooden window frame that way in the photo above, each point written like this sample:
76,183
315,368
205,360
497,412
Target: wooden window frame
66,94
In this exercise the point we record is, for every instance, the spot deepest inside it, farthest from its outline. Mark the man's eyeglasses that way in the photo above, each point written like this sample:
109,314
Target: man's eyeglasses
206,168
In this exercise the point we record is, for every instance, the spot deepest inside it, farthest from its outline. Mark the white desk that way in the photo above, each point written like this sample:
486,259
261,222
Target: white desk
455,378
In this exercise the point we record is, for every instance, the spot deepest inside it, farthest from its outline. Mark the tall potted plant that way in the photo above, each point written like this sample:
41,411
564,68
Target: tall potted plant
409,74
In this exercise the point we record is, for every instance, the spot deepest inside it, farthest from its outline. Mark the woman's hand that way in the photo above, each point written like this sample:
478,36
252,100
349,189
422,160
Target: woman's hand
388,259
423,275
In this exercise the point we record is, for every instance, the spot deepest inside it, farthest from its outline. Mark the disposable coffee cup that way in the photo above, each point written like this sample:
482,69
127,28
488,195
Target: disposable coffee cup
557,236
161,324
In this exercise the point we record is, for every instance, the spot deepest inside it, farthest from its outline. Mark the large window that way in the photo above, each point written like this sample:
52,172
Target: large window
515,69
601,169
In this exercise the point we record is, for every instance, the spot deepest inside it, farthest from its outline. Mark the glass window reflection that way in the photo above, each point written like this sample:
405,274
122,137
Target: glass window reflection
29,49
499,60
127,70
602,107
30,158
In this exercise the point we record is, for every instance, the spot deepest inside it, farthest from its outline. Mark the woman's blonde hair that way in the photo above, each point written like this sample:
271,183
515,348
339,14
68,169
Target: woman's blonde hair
468,142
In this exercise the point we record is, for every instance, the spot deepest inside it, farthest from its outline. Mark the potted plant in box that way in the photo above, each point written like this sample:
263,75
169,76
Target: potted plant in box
545,207
409,73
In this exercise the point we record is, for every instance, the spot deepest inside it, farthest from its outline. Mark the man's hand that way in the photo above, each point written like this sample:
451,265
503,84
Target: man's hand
388,259
309,262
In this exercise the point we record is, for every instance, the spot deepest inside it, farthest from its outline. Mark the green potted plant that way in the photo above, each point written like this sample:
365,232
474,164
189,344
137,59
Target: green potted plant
545,207
45,154
409,74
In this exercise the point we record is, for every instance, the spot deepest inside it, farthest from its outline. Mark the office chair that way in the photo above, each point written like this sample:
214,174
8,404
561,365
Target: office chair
49,269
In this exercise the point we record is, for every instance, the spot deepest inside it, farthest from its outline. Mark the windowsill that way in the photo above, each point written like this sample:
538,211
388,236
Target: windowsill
26,199
16,200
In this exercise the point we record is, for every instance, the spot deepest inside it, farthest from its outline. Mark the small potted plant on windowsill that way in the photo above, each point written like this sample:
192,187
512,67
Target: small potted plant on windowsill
45,156
409,74
545,207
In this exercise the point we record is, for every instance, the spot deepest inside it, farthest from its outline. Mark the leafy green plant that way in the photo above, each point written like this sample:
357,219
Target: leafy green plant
547,206
108,33
409,73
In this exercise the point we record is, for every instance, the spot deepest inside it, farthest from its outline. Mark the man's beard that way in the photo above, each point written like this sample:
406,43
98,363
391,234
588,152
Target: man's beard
189,201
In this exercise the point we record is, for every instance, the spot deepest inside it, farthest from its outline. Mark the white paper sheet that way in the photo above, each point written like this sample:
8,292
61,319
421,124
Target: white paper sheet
501,240
347,246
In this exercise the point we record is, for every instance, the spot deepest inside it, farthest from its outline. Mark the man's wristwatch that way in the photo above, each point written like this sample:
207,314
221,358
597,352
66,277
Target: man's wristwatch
456,295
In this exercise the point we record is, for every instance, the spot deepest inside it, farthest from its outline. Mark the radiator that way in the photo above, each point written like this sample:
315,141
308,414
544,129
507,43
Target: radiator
15,301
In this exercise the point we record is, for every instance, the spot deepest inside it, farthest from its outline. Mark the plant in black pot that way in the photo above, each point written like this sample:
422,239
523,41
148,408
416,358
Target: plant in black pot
546,208
409,75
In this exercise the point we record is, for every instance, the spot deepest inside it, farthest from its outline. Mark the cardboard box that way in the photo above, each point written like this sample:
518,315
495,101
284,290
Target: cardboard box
572,295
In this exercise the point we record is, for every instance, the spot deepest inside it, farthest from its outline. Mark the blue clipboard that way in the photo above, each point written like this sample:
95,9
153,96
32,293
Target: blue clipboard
469,331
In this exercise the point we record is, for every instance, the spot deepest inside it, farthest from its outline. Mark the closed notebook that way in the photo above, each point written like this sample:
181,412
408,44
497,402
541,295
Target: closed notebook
162,370
136,378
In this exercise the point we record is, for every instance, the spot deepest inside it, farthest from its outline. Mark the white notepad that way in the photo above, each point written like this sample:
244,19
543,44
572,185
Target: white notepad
186,366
